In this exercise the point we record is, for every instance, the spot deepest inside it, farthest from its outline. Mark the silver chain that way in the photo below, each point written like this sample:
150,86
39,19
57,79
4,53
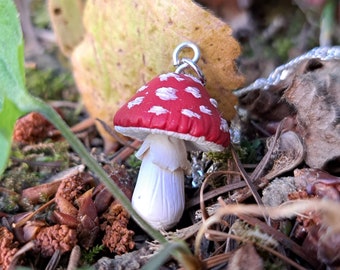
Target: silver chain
281,72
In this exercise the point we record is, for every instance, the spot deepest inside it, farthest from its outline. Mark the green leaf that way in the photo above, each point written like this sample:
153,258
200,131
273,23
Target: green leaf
11,41
11,75
8,115
14,100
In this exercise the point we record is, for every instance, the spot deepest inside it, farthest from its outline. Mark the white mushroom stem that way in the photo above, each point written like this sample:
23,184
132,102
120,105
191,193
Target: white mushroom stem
159,193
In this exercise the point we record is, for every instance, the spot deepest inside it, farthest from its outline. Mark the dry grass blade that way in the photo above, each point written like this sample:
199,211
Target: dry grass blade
54,261
217,191
223,258
217,259
246,178
205,214
327,209
260,167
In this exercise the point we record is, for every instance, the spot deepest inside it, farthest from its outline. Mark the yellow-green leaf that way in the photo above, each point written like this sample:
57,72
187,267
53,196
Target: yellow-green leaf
66,17
127,43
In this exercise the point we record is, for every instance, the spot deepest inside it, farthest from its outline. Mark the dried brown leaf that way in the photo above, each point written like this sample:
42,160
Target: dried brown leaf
315,96
244,258
288,154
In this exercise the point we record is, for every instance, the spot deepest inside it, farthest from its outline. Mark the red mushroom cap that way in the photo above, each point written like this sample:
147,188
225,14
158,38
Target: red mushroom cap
175,105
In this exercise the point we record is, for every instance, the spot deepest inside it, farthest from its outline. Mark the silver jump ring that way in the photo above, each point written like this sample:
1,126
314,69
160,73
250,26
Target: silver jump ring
180,47
185,63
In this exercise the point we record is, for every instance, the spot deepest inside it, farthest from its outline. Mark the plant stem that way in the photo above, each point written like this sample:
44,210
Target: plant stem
327,22
52,116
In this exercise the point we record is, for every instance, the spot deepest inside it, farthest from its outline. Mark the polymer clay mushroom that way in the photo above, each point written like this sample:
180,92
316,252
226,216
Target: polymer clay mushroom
172,114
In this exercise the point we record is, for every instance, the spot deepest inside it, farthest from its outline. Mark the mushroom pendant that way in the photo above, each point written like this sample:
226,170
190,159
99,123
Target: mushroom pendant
172,114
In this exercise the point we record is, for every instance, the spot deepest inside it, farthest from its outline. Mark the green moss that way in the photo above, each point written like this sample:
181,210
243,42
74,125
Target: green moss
9,203
250,152
89,256
33,163
48,84
219,157
134,162
282,45
132,166
247,151
19,177
40,17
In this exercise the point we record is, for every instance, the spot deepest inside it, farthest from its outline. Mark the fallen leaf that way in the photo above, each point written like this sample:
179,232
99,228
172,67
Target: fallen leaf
244,258
66,19
288,154
315,96
128,43
306,88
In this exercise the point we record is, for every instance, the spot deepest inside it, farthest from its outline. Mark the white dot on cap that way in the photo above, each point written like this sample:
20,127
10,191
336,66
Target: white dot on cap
213,102
195,79
142,88
164,77
224,125
194,91
166,93
136,101
190,113
158,110
205,110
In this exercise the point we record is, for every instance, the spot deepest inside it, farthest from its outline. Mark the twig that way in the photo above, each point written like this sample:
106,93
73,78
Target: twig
113,133
127,151
85,124
32,214
74,258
